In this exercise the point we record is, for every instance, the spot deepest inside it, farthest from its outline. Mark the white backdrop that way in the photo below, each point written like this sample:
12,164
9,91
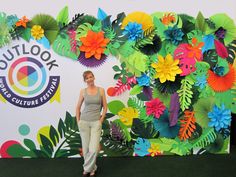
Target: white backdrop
70,71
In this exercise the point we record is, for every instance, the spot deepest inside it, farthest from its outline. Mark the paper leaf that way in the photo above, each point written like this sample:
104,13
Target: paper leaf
200,22
174,109
221,50
101,15
160,27
187,65
136,90
208,42
115,106
63,16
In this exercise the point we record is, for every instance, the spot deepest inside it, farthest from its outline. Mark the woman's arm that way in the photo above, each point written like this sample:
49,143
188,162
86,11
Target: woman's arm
104,105
79,104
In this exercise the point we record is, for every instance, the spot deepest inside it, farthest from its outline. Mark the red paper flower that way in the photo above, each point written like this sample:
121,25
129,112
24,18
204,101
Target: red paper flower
155,107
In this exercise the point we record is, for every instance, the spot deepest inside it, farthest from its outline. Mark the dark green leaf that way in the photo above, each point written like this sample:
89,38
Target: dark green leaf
53,135
30,144
61,128
143,130
46,144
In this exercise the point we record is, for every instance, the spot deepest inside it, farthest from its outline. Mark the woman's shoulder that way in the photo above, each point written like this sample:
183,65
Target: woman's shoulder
82,91
101,90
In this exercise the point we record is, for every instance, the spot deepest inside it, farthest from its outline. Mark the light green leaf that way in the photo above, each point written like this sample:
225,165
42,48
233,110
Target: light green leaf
136,90
115,106
63,16
200,22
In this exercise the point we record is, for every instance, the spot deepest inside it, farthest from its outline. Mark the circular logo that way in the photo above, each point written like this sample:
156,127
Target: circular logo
27,76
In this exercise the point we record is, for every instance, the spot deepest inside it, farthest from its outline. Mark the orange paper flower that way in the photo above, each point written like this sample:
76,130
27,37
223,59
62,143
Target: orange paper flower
168,18
222,83
22,22
93,44
195,49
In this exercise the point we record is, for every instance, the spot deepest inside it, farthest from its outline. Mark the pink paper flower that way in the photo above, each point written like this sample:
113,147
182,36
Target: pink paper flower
155,107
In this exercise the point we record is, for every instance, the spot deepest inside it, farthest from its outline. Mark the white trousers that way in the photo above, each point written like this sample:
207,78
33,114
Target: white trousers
90,132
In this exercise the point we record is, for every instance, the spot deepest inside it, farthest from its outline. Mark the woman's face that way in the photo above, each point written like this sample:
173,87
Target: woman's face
89,79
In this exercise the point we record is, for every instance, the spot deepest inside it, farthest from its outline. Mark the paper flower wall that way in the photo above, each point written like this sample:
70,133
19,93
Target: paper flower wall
179,71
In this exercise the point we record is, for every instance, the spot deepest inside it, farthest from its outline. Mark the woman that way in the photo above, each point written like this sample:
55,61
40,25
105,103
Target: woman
90,121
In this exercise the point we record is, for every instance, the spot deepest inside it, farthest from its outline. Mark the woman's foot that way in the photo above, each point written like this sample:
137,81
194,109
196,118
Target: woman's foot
85,174
93,173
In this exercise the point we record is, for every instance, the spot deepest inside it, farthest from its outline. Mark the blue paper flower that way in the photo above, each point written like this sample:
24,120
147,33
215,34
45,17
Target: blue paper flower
134,31
174,34
143,80
11,20
141,147
201,81
220,117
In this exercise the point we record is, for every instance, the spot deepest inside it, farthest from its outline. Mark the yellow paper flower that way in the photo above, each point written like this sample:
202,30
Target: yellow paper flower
166,69
154,150
127,115
139,17
37,32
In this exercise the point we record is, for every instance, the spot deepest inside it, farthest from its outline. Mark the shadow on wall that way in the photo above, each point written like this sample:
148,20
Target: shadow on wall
233,130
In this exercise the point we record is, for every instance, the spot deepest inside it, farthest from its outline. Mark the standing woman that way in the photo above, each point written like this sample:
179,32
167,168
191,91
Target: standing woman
90,121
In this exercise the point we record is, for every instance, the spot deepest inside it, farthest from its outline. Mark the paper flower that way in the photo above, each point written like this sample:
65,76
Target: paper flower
166,69
22,22
222,83
220,117
155,107
134,31
225,28
195,49
201,81
168,18
93,44
37,32
127,115
139,17
174,35
154,150
144,80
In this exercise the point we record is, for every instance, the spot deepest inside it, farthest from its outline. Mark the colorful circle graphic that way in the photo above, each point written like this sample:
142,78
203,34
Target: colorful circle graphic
27,76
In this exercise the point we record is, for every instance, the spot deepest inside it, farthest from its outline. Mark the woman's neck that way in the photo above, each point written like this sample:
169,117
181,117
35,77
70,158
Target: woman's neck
92,86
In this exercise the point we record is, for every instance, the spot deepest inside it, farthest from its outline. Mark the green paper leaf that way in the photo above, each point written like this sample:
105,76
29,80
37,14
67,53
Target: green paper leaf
17,151
26,34
115,106
200,22
201,108
63,16
97,26
30,144
160,27
136,90
62,47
